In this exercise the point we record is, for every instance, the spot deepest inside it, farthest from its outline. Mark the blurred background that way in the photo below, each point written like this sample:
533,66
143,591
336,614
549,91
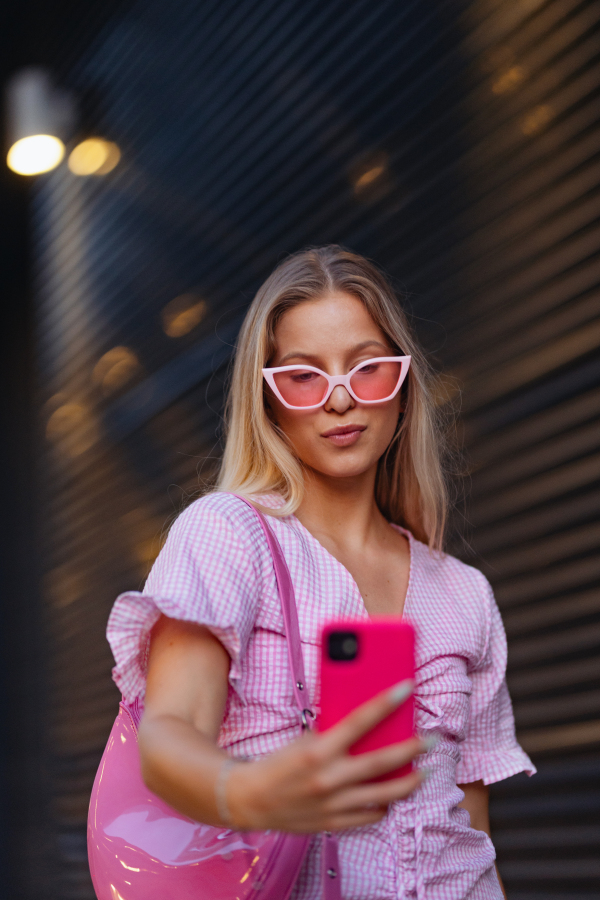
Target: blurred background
456,142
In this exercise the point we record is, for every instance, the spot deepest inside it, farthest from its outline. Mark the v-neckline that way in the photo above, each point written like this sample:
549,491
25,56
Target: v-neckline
407,534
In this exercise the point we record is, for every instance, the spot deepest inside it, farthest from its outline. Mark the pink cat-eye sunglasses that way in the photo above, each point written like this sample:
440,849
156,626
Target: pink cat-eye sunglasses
305,387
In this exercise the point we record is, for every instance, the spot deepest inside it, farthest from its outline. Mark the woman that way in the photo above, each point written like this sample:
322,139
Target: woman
352,478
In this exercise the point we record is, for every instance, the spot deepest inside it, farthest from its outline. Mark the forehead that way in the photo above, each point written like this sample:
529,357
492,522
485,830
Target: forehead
329,322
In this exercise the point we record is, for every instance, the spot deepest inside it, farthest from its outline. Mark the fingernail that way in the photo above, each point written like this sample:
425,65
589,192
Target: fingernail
401,691
429,741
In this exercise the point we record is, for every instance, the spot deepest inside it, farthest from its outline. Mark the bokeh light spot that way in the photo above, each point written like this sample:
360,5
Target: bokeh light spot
509,80
72,428
535,120
94,156
35,154
115,369
183,314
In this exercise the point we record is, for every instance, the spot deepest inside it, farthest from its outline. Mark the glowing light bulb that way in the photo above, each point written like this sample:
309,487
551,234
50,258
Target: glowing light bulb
35,154
94,156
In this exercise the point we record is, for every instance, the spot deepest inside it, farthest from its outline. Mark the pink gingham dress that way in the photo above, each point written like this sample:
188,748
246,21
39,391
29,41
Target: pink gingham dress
216,569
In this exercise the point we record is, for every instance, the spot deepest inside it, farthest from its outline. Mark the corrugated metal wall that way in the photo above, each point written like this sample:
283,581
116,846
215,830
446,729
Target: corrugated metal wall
456,143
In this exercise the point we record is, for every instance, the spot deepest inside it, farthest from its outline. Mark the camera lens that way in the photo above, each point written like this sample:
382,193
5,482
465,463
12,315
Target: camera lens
349,647
342,646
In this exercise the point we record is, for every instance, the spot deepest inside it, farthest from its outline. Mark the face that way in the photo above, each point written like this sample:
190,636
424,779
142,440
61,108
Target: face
342,439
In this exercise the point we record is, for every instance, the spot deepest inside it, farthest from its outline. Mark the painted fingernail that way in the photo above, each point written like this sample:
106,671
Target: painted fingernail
429,741
401,691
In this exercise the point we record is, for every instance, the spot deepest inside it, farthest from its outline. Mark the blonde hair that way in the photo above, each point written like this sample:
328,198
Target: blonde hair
411,486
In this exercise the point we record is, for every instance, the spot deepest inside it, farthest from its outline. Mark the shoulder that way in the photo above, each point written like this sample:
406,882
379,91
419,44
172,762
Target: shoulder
450,574
454,592
222,524
217,510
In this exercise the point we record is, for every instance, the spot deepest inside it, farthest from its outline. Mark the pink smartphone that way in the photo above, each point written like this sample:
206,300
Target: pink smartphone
358,660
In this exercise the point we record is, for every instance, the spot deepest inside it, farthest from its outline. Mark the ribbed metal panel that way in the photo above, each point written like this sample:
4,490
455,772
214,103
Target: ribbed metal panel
458,145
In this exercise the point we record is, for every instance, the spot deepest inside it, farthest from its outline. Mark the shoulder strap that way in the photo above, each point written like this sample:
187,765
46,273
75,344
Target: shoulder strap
290,617
330,873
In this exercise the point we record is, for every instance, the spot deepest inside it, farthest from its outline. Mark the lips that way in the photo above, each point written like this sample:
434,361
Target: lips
344,435
343,429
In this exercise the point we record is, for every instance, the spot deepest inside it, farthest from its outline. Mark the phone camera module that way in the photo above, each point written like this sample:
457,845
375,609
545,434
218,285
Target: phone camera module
342,646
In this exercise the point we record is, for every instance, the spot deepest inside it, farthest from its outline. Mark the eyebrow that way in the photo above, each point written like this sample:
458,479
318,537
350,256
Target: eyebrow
311,356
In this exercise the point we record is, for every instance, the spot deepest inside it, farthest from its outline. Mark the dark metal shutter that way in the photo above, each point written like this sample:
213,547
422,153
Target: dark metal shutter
523,341
457,144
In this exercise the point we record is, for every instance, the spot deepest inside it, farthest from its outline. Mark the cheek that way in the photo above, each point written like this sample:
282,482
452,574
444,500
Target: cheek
384,423
297,427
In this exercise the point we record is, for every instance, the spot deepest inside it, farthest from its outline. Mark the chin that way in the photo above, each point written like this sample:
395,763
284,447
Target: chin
341,468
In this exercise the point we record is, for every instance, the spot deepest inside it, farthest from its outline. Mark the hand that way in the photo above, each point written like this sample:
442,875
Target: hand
314,784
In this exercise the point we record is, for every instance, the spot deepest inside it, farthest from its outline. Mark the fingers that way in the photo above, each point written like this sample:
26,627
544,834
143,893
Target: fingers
337,821
374,796
350,770
365,717
358,819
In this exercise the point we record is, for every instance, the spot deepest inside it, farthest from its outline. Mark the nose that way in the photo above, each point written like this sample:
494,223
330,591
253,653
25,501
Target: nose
339,400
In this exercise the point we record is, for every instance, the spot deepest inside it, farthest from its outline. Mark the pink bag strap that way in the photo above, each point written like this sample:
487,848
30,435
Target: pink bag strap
330,875
290,618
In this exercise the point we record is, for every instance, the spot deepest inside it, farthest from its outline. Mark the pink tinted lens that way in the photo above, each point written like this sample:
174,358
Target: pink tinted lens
376,380
301,387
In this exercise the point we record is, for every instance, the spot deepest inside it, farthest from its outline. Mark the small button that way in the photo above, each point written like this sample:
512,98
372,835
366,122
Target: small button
332,873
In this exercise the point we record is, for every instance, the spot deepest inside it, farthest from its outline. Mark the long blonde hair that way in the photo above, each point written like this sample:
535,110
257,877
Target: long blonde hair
411,486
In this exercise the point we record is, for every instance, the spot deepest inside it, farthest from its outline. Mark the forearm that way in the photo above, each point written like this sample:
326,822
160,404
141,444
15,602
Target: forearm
181,765
312,784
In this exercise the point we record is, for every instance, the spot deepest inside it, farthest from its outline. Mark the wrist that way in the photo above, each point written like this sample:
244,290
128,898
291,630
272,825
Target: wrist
234,806
221,790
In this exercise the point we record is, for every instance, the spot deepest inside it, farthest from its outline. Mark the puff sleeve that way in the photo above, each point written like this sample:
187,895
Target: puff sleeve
490,751
209,572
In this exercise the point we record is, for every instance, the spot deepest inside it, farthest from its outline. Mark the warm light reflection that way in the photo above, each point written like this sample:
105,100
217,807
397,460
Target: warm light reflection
117,367
368,177
183,314
147,550
124,864
509,80
146,533
94,156
72,428
35,154
535,120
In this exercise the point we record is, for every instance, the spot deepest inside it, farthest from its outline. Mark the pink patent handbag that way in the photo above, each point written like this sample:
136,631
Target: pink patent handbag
139,848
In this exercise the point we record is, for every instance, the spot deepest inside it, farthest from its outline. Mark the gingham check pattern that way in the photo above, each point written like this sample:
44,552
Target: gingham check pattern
216,569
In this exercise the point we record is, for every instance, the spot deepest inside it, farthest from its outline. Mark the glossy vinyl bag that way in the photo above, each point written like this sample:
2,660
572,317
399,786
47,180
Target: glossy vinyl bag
139,848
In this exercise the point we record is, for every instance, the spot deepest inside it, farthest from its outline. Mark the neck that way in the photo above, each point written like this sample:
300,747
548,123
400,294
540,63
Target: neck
343,509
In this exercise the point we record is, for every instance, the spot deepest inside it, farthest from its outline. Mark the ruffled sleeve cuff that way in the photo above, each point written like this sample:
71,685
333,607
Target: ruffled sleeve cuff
132,618
490,766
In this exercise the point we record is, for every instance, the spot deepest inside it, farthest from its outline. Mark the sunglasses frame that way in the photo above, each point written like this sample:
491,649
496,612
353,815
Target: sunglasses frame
334,380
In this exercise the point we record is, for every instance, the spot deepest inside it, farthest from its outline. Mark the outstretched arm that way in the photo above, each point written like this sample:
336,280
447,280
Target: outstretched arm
311,785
